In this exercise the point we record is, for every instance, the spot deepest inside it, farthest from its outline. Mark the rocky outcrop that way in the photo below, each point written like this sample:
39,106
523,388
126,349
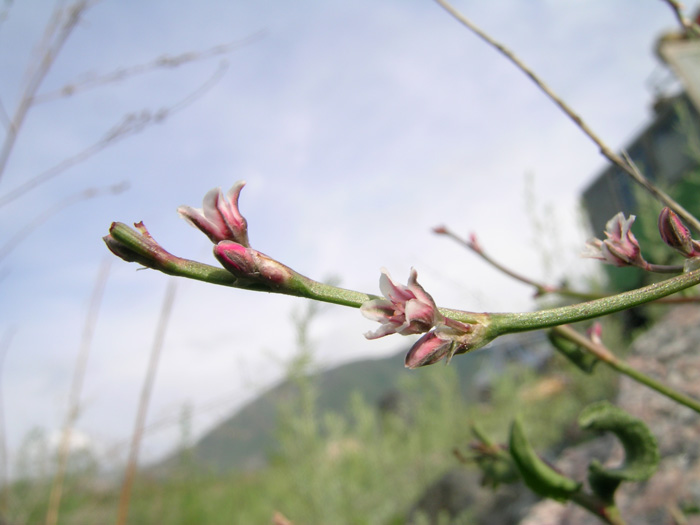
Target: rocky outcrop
669,352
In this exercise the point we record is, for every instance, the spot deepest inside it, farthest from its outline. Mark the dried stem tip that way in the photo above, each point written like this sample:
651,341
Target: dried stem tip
136,246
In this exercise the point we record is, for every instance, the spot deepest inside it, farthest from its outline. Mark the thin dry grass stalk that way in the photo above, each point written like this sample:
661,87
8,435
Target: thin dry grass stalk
75,392
162,62
59,28
627,167
62,23
144,400
131,124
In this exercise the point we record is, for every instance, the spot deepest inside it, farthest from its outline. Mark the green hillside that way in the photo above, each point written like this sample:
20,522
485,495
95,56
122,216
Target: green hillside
244,440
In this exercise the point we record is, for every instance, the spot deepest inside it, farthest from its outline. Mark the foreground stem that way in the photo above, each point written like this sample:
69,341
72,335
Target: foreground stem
140,247
522,322
605,355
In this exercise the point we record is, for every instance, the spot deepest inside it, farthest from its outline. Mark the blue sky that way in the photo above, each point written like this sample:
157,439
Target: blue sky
358,126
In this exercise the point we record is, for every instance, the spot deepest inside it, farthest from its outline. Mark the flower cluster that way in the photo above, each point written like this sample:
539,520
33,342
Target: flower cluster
221,221
409,310
620,248
406,310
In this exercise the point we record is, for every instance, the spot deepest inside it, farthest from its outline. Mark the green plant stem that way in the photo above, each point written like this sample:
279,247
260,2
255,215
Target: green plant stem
333,294
663,268
503,323
140,247
606,356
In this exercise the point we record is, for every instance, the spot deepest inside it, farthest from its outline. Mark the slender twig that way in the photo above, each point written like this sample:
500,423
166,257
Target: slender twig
143,403
602,146
543,288
47,214
473,245
605,355
689,27
130,125
75,392
162,62
662,268
50,47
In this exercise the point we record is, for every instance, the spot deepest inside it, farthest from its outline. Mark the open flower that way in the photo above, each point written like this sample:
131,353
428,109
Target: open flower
219,218
409,310
406,310
620,248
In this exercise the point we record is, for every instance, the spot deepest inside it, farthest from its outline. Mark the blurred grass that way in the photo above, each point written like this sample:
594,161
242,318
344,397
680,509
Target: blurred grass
361,466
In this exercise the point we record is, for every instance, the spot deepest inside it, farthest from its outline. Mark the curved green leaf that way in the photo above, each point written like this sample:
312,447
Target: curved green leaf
495,463
537,475
641,449
572,352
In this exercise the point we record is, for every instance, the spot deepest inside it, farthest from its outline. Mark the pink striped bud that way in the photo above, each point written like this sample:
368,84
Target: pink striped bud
251,264
428,350
676,234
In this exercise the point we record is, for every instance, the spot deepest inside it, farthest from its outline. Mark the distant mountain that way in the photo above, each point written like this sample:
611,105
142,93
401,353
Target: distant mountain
244,440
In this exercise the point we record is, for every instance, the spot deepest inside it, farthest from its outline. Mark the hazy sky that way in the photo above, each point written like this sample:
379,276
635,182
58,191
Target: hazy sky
358,125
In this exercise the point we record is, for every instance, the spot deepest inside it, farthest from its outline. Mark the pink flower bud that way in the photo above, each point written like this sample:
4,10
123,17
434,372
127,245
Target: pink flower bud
620,248
219,219
406,310
676,234
450,337
428,350
248,263
236,258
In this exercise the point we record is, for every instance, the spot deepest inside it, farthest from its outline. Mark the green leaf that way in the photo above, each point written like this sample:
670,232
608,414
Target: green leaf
641,449
537,475
583,360
496,465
